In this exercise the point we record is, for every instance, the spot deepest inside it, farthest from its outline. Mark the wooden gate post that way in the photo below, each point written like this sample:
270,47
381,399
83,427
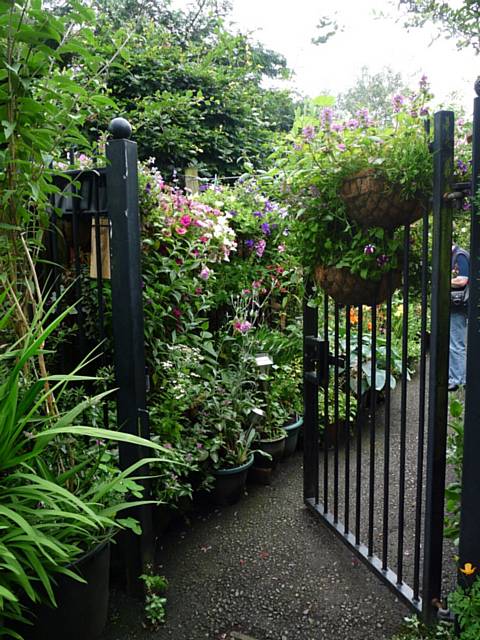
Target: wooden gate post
128,328
469,549
438,382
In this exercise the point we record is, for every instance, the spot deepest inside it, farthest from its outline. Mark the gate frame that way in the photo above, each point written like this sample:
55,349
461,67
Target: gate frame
316,371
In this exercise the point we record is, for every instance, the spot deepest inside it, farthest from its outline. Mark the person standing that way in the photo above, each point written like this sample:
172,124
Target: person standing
458,317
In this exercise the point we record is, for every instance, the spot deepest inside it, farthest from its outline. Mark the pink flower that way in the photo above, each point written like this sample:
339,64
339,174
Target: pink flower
181,231
205,273
260,247
176,312
198,290
243,326
186,221
203,239
256,284
281,248
196,253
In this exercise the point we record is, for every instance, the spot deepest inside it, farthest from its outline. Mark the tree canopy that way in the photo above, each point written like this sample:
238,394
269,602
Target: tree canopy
460,22
373,91
192,87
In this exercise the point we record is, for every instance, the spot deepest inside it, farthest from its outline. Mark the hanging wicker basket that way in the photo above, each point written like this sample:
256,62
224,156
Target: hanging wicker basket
349,288
371,204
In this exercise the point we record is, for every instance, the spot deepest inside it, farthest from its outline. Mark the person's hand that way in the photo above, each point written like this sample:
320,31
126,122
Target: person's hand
459,282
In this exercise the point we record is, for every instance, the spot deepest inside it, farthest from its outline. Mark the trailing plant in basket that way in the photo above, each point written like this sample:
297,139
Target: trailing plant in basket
322,154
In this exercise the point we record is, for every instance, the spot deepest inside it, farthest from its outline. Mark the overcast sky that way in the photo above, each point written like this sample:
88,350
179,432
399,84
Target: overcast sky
288,26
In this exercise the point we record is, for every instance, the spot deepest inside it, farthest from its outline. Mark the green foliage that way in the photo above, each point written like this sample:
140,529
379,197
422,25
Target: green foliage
453,491
465,604
414,629
43,109
193,89
155,602
44,523
460,21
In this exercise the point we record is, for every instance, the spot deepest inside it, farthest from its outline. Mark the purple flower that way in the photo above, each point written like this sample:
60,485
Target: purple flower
148,187
342,147
352,123
203,187
337,127
382,260
423,82
199,445
258,214
462,167
369,249
308,132
233,214
260,247
314,190
266,228
205,273
245,326
397,102
249,244
424,111
269,206
467,205
327,117
297,147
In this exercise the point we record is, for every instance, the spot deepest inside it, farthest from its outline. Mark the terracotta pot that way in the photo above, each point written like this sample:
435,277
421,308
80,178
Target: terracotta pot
346,287
371,203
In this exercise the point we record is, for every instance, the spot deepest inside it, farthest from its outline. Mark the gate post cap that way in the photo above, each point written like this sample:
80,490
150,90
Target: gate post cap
120,128
477,86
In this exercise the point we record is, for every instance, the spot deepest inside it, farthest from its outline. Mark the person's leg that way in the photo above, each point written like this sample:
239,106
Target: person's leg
458,343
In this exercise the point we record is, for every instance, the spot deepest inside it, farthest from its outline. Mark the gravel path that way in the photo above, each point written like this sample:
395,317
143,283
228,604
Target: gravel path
264,569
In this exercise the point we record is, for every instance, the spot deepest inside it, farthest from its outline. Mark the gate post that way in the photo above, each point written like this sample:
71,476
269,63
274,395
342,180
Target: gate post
310,398
438,382
128,329
469,548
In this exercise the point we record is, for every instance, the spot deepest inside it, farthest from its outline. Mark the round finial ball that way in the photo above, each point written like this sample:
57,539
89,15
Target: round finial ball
120,128
477,86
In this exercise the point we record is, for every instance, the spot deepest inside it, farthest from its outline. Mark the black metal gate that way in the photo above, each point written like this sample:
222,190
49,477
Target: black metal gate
378,480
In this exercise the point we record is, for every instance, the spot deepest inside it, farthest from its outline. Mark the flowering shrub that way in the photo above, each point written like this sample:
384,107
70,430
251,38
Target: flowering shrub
322,153
264,264
184,241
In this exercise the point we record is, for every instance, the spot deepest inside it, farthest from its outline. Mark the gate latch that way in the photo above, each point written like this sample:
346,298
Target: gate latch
316,360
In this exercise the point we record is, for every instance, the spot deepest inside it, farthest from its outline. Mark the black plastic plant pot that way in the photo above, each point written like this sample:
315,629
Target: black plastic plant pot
291,442
275,448
230,483
82,607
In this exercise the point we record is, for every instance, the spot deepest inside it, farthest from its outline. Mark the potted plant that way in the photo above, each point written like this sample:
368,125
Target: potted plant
347,235
285,400
57,514
226,418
